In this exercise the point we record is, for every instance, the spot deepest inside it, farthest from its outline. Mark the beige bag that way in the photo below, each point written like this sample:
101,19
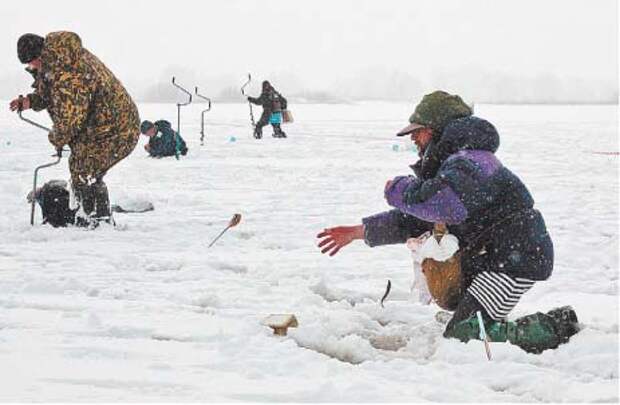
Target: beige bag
287,117
443,278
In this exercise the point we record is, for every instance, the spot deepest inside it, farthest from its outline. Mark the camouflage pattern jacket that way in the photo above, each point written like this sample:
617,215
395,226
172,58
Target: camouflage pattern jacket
89,107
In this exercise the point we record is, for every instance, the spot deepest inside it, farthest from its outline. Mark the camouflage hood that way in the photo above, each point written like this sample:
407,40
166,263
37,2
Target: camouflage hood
62,52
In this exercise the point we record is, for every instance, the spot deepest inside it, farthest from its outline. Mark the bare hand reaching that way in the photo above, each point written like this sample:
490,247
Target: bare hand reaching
334,239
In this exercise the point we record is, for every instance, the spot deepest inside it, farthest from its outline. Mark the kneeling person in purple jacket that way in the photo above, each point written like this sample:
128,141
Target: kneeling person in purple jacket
504,244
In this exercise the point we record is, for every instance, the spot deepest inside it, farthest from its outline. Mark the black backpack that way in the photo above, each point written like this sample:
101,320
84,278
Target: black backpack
278,103
53,198
283,103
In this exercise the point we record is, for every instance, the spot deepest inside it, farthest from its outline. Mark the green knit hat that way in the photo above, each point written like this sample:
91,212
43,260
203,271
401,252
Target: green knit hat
435,111
145,126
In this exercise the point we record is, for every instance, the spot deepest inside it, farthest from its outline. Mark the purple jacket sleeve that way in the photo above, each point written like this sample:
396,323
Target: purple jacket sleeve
392,227
444,205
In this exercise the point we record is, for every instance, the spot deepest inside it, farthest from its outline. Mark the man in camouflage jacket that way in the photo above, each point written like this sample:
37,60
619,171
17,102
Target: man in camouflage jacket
91,111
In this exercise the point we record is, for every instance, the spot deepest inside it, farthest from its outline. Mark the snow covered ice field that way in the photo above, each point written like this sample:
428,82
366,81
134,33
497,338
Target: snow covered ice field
145,312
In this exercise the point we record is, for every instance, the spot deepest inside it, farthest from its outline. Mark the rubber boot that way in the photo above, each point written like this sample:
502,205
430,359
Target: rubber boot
566,323
533,333
102,202
86,205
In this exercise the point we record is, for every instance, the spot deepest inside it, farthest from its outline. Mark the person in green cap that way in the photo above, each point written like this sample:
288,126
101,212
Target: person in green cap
163,140
504,246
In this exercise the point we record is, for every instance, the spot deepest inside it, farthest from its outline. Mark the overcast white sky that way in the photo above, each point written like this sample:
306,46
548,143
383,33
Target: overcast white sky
320,41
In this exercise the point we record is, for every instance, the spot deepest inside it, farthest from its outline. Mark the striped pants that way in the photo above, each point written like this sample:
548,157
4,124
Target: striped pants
498,293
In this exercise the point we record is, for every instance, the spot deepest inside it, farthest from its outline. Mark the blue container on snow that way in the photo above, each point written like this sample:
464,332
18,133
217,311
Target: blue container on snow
276,118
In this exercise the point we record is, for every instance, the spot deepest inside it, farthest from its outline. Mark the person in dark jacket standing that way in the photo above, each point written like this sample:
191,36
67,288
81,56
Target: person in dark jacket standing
273,104
503,241
163,140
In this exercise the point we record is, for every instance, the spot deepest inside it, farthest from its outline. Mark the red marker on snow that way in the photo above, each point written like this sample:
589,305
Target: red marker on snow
234,221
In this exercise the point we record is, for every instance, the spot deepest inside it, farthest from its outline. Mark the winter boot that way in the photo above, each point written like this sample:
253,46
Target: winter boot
258,132
277,131
566,323
533,333
86,202
102,202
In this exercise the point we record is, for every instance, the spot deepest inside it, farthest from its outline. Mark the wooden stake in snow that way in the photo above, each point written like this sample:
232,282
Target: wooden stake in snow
280,323
234,221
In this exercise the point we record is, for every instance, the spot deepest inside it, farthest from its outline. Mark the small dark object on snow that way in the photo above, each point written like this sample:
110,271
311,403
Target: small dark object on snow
388,288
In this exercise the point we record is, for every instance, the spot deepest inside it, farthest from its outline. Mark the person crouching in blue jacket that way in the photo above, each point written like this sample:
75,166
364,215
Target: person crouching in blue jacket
163,140
503,241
